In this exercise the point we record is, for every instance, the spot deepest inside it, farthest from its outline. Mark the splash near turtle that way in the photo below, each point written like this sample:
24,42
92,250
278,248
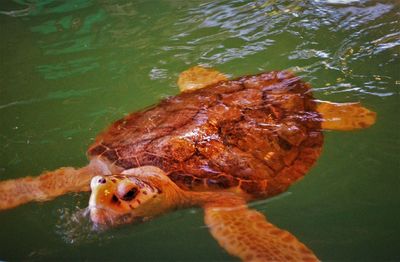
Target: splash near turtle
218,145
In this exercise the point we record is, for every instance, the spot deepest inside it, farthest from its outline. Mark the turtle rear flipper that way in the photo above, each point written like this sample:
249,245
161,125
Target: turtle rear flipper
345,116
247,234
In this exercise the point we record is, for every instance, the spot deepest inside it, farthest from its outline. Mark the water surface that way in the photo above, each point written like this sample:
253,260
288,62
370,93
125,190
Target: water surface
69,68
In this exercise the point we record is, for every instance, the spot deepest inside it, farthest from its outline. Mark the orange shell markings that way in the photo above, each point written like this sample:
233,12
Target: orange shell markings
255,133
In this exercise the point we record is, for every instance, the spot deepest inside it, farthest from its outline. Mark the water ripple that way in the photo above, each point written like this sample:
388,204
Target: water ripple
313,36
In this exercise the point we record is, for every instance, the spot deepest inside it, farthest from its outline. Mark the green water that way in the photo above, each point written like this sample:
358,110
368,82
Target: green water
69,68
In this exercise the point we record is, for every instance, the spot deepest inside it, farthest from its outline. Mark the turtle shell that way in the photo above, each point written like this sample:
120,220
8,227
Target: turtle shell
256,133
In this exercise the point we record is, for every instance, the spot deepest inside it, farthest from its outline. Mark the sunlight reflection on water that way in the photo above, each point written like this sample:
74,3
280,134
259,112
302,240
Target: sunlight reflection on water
217,33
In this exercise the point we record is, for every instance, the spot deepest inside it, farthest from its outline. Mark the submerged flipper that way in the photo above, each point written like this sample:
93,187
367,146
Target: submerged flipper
198,77
247,234
44,187
345,116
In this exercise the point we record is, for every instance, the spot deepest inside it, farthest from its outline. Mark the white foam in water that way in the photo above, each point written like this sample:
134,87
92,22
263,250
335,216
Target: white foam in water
75,227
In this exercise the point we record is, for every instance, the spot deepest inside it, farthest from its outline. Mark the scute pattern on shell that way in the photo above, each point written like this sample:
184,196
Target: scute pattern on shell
260,133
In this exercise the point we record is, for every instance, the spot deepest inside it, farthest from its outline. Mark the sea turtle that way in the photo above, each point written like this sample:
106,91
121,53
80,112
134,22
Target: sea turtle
218,144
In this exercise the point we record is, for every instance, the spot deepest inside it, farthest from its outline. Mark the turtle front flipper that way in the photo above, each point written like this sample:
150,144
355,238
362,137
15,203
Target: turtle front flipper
48,185
247,234
198,77
345,116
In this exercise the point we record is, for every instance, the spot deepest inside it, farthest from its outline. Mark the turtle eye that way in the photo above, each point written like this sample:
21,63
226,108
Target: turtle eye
128,196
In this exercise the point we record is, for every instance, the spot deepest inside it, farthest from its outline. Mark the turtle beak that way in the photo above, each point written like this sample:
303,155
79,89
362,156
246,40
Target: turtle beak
100,217
100,199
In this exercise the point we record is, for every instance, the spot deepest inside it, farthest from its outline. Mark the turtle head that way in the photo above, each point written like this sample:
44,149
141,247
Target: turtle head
134,195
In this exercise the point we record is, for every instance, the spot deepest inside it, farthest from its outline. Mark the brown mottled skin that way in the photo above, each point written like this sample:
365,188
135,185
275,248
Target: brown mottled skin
257,133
